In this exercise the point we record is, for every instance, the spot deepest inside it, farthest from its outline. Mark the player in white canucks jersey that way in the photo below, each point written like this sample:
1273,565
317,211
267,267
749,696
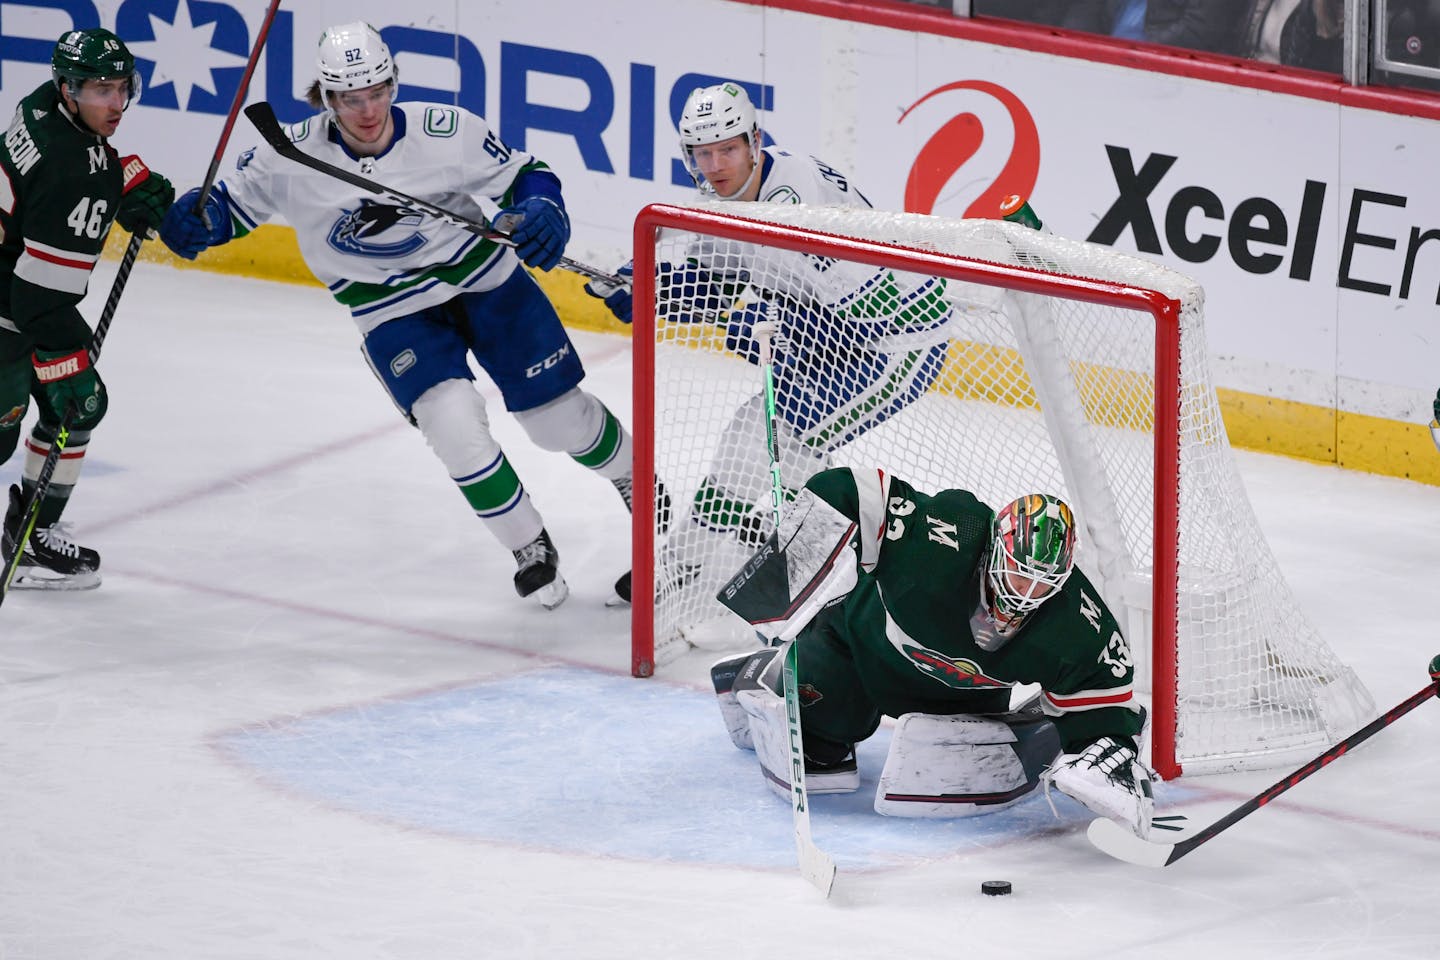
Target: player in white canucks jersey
425,293
854,344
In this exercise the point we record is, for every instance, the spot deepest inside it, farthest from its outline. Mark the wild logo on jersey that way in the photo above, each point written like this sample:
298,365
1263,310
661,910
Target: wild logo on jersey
354,231
961,673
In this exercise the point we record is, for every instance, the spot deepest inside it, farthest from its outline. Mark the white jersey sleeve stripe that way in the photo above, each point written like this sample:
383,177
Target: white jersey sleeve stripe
873,490
1059,704
55,269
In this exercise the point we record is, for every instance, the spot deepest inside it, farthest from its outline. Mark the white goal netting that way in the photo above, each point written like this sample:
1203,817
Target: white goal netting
971,383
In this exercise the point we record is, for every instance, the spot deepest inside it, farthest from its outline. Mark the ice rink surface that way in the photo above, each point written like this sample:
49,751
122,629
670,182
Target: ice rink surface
306,717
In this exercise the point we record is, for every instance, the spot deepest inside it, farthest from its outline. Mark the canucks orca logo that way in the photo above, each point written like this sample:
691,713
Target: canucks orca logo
354,231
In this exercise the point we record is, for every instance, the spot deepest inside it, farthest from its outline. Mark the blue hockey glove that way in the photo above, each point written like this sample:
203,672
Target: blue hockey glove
617,297
186,232
541,230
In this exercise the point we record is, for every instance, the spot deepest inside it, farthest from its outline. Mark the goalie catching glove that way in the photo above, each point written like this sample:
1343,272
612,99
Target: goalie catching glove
1109,779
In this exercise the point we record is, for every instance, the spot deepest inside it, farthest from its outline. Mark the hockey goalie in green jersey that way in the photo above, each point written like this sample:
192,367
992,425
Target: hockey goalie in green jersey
930,609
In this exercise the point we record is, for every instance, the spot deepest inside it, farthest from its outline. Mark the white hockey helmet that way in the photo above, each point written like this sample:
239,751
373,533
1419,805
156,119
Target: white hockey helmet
714,114
352,56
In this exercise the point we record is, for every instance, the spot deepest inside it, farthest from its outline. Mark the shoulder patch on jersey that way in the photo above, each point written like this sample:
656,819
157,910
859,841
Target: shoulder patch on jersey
243,161
299,131
441,121
782,195
37,113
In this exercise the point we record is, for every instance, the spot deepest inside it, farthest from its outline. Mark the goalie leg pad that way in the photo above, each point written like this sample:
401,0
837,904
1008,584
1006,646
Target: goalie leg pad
769,733
740,672
962,765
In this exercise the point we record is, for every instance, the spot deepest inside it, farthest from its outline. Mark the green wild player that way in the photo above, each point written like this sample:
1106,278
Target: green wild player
62,185
929,609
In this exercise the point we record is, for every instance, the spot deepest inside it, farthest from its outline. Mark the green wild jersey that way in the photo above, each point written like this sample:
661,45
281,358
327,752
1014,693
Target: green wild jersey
60,187
908,618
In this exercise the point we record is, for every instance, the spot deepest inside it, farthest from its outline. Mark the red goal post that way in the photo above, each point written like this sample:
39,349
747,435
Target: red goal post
1039,273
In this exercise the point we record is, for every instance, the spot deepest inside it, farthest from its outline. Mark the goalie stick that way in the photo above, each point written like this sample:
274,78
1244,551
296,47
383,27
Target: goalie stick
1121,844
816,866
263,116
31,513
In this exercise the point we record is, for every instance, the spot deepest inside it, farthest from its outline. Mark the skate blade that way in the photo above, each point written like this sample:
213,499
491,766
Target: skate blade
32,581
553,593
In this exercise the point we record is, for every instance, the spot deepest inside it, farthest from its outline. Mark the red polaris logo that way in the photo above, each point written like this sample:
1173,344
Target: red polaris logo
957,140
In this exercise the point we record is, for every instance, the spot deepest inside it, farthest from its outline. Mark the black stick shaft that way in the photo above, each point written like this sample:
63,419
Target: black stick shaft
240,92
1280,786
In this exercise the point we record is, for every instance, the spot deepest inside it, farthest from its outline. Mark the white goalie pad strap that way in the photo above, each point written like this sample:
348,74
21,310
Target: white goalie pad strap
769,732
951,766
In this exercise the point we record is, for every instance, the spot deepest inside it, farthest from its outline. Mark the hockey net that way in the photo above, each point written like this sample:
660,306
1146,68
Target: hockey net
989,356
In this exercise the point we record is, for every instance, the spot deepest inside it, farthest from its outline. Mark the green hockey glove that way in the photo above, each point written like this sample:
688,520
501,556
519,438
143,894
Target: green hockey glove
68,378
146,198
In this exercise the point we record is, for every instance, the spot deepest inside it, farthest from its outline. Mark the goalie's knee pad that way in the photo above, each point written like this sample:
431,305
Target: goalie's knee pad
749,689
741,672
962,765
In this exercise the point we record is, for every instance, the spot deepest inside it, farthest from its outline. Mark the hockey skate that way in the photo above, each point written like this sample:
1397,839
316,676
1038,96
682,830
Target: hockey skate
625,485
539,574
51,561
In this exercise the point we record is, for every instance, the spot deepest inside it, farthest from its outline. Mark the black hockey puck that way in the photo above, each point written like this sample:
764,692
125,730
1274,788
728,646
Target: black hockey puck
995,888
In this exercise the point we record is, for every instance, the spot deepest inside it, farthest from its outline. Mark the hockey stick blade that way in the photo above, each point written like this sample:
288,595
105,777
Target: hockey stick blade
1111,838
262,115
816,866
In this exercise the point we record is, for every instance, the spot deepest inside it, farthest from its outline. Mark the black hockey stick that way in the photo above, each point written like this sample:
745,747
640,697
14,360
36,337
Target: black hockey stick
263,116
31,512
1121,844
240,92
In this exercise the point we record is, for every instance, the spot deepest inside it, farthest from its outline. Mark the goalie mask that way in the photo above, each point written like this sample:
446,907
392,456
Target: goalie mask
352,56
1032,552
713,115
